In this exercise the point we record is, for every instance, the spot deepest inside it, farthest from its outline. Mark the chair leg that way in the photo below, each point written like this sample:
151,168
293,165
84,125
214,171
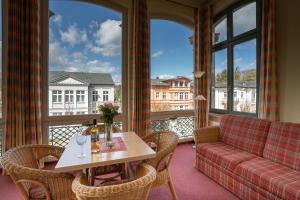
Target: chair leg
172,189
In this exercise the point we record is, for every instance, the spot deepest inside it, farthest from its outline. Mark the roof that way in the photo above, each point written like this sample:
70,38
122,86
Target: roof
160,82
85,77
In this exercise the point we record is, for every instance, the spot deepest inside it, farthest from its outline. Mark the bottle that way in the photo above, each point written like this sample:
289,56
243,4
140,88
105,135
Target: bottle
94,137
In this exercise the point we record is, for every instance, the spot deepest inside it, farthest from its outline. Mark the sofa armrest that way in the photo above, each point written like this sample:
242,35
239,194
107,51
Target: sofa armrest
208,134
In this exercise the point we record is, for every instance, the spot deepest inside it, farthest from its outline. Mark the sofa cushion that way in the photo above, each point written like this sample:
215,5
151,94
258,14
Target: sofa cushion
224,155
283,144
246,133
276,178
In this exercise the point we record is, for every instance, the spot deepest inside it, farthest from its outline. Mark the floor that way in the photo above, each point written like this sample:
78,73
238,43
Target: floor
190,184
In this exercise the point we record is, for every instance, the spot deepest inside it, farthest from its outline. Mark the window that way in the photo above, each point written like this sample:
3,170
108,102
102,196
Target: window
69,98
157,95
105,96
95,95
80,96
181,96
85,55
56,96
236,48
171,65
57,113
186,95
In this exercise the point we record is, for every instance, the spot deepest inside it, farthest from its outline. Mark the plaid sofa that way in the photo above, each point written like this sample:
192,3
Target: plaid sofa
253,158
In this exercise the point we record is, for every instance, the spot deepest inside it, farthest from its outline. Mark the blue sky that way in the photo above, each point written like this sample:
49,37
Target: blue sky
87,37
91,42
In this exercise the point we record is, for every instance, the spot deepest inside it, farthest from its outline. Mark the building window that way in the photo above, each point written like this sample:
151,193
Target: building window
181,84
164,95
157,95
57,113
69,96
181,96
105,95
95,95
56,96
69,113
235,63
186,95
80,113
80,96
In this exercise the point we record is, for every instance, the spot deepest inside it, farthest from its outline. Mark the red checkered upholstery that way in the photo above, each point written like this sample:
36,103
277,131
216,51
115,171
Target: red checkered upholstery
246,133
234,183
283,144
224,155
276,178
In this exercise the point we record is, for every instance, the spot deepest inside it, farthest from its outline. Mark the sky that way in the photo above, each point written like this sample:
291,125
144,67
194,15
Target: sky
91,42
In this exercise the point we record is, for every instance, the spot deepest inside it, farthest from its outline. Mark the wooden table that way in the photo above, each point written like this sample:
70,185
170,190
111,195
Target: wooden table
136,150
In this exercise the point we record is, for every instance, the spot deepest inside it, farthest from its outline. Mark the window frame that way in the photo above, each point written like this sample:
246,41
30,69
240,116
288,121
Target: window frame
57,94
80,94
95,95
229,45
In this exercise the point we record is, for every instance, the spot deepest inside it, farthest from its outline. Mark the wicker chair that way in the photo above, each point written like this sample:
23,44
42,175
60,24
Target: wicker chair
22,164
166,143
116,170
137,189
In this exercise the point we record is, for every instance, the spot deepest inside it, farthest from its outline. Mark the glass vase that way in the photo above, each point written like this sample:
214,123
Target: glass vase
108,132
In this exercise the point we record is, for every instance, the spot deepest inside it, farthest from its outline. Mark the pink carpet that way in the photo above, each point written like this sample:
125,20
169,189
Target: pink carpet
190,184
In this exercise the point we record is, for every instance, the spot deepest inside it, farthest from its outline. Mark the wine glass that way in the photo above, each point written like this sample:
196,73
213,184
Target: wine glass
101,143
81,140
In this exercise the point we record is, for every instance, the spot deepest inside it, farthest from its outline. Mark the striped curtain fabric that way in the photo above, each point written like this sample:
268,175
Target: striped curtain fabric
268,104
140,97
202,50
23,111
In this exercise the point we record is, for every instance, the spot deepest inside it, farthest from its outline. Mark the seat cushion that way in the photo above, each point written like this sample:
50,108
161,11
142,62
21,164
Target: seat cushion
224,155
246,133
283,144
276,178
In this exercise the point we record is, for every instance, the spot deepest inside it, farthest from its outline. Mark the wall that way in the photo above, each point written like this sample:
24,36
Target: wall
288,41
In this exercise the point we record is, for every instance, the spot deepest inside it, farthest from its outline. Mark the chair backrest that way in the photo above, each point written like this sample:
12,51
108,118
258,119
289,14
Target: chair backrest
22,164
137,189
166,143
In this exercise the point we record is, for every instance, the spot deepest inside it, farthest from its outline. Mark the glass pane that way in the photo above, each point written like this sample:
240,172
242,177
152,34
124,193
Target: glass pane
220,31
84,57
219,80
244,99
171,66
244,19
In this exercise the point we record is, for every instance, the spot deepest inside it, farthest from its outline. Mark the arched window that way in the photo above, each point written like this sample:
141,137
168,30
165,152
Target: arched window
172,77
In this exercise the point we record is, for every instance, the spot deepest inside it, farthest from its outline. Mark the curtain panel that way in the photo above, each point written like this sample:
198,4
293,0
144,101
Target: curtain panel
140,54
202,51
23,93
268,98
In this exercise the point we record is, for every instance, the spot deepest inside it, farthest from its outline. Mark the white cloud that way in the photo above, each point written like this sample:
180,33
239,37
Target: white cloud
61,59
238,61
166,76
73,35
157,54
57,18
108,38
245,19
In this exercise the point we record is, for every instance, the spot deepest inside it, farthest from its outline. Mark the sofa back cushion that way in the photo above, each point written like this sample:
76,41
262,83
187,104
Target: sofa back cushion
283,144
243,132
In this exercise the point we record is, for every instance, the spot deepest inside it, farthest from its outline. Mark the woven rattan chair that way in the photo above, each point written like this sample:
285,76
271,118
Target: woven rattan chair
22,164
116,170
166,143
137,189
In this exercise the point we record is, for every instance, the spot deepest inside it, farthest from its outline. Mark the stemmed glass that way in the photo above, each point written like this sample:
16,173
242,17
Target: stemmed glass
81,140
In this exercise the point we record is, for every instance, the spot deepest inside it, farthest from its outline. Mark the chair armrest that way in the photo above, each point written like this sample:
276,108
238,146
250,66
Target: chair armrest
208,134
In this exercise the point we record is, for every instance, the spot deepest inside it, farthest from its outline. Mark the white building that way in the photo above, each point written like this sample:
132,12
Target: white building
76,93
244,96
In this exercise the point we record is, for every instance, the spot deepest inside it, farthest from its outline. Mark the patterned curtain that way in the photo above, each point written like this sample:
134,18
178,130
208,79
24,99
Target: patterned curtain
23,112
202,50
268,104
140,98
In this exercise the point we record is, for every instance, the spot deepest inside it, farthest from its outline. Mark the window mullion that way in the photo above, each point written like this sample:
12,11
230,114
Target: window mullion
230,62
